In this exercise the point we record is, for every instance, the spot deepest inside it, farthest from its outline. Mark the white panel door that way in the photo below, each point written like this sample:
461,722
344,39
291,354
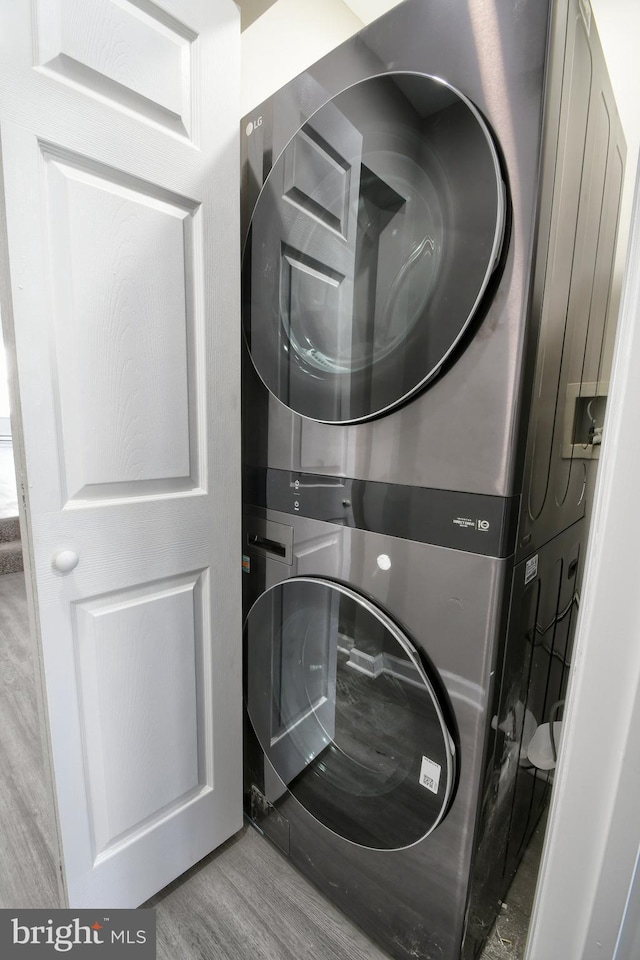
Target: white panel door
119,154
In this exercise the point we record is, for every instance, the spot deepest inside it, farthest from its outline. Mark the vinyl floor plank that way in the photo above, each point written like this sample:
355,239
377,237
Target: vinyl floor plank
243,902
246,902
27,864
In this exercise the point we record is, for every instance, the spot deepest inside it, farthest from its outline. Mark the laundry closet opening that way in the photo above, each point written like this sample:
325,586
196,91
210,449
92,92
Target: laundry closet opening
429,220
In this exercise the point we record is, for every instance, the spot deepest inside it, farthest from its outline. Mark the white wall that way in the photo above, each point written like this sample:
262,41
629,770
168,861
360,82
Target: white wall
250,10
288,38
618,23
369,10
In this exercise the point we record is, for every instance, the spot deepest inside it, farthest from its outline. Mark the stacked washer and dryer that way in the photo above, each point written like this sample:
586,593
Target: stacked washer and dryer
430,216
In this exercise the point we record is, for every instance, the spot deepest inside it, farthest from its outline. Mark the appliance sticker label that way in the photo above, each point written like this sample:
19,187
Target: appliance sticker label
430,774
465,523
246,563
531,569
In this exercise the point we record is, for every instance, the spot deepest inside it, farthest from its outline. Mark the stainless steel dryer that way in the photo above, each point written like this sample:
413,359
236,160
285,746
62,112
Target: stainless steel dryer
422,209
390,200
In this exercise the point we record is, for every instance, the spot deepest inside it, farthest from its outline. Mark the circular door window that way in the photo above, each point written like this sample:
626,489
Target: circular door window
344,710
371,246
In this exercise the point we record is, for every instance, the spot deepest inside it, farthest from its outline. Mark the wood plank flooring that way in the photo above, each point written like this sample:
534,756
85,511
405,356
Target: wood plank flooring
27,871
243,902
246,902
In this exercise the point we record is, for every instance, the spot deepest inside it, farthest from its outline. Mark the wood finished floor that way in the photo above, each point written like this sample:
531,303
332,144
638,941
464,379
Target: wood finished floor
243,902
27,871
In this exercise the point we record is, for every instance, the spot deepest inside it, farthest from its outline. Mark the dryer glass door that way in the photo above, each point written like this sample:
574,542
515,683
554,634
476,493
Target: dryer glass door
371,246
346,713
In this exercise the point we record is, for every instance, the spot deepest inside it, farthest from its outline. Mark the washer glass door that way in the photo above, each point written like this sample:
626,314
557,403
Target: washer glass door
371,246
346,714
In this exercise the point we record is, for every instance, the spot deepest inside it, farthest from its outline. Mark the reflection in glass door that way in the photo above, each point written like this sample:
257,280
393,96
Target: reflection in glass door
371,246
346,713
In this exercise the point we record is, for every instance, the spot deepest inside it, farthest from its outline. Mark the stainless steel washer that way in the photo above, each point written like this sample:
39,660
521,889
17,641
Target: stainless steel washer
371,666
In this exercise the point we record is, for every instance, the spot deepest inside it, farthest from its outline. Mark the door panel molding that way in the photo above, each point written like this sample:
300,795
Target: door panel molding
122,301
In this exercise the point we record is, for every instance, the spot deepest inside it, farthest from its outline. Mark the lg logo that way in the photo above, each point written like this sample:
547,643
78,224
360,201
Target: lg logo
483,525
253,125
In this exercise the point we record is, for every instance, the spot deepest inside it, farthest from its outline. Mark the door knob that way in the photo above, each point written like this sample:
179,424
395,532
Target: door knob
65,560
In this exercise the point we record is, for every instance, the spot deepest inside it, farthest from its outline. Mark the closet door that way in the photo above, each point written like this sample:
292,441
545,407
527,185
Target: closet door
120,163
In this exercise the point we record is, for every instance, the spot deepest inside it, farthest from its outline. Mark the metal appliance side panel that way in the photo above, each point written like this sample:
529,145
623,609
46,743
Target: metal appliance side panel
549,650
451,605
576,299
534,677
459,433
